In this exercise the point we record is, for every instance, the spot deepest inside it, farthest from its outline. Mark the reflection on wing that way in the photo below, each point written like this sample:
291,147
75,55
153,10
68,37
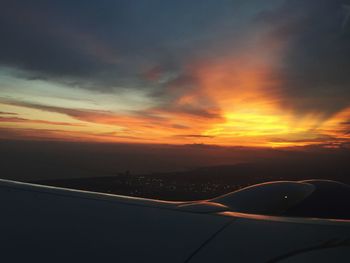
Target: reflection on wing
267,198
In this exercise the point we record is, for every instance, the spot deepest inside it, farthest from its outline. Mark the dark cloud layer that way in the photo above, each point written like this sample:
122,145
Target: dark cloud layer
108,42
317,64
147,44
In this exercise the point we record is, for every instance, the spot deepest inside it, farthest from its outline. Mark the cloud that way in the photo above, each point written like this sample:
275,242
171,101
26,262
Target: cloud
40,38
199,136
316,65
222,70
7,113
149,120
60,135
111,44
23,120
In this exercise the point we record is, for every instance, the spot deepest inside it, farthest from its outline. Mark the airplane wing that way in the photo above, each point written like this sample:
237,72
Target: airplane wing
49,224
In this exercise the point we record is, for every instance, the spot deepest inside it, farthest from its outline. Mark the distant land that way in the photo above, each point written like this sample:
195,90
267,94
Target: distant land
168,172
206,182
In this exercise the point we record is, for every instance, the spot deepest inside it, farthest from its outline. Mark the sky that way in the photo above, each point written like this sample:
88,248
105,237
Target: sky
273,73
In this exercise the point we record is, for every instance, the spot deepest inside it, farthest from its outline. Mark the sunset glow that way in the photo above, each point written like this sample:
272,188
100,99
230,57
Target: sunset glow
246,85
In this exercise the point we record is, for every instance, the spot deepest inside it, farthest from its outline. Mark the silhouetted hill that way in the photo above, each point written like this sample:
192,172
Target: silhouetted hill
208,182
166,171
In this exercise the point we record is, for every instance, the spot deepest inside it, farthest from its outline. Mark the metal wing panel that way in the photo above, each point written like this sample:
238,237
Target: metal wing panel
47,225
272,240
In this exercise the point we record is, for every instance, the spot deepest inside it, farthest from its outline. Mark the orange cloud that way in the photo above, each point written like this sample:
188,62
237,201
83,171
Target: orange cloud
236,100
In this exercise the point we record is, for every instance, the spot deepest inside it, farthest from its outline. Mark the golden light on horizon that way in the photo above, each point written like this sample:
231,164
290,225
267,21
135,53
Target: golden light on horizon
247,91
238,100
